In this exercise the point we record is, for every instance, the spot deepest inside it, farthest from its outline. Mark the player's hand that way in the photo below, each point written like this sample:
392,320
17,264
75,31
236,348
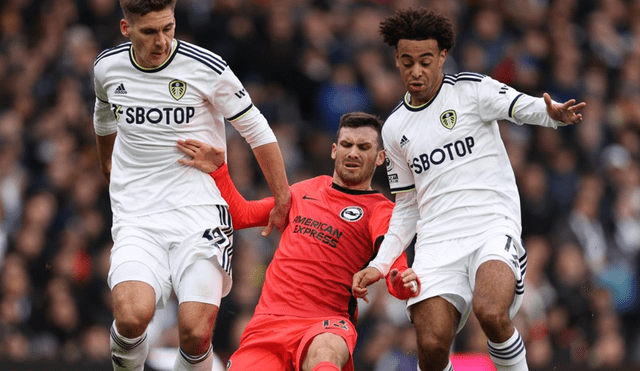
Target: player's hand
566,112
204,156
278,217
406,284
363,279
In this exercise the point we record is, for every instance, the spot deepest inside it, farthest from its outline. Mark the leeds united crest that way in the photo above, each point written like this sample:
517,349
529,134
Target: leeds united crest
448,119
177,88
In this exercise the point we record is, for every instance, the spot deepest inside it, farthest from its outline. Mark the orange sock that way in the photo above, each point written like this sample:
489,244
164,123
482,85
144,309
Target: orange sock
326,366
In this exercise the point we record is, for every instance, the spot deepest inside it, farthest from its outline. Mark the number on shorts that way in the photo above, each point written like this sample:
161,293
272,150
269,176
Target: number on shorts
217,237
342,324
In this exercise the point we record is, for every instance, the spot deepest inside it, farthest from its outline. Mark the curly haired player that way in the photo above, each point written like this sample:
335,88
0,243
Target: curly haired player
455,188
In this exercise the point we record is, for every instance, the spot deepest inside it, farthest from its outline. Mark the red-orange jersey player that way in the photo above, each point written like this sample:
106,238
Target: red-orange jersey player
335,227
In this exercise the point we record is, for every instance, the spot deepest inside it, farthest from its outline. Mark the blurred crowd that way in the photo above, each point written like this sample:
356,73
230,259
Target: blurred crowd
305,63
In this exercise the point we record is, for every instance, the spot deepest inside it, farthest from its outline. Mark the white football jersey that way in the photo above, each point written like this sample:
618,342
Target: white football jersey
449,151
189,96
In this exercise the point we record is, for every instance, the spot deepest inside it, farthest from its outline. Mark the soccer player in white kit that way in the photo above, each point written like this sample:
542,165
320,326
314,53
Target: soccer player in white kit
455,188
171,228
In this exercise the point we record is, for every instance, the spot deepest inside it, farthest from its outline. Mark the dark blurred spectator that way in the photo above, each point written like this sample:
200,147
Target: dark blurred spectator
573,282
539,212
403,355
13,174
343,93
585,223
488,36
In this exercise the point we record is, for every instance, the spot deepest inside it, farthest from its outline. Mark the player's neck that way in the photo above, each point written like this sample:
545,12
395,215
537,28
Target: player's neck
364,186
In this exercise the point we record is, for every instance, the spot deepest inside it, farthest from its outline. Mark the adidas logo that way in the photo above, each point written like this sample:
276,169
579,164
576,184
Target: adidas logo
120,89
404,141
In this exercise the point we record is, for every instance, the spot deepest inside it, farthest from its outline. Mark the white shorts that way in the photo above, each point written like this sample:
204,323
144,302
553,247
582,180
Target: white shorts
161,249
452,276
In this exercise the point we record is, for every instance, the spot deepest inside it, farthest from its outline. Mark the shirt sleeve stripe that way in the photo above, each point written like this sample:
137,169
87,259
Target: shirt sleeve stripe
203,52
513,105
403,189
452,79
470,74
118,49
235,117
209,64
208,59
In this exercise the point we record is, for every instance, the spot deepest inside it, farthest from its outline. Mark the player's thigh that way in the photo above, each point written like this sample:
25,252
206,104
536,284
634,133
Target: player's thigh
132,294
135,286
443,276
196,319
495,288
139,254
326,347
497,274
436,321
330,340
199,293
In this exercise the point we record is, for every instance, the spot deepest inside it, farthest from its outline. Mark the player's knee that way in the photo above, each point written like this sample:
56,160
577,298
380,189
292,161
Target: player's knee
195,338
201,331
490,315
132,321
433,346
322,354
134,305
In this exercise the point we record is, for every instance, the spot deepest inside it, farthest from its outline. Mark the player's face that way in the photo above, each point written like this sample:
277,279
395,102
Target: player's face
151,36
356,155
420,64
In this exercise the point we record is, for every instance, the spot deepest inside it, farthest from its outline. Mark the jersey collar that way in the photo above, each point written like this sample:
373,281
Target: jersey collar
352,191
174,46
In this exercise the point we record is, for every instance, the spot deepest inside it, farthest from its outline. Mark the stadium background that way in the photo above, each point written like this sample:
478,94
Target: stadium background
306,62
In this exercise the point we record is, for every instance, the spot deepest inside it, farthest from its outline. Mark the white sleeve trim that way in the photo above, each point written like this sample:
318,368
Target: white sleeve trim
254,128
532,110
402,228
103,121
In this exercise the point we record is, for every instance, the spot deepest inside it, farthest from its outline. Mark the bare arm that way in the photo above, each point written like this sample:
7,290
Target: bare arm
270,160
105,149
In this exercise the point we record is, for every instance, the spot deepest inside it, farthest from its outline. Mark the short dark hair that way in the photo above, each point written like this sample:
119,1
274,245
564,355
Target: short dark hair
361,119
418,24
133,8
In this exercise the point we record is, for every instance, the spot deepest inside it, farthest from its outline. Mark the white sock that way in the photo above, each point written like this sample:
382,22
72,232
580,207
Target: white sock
128,354
448,368
185,362
510,355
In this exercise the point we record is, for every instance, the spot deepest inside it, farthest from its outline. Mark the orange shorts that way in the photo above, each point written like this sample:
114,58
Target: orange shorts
280,342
